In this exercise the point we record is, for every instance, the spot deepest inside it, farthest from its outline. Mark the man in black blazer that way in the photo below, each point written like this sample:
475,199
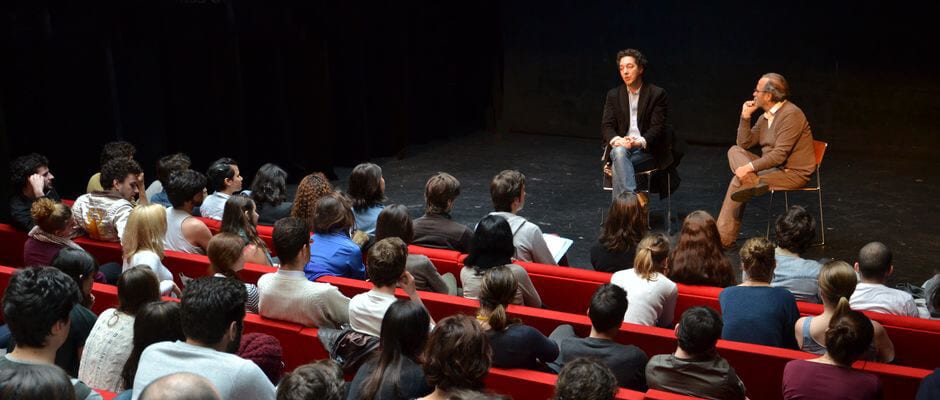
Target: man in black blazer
634,125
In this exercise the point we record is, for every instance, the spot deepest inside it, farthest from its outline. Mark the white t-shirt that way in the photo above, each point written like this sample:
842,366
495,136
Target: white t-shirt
650,302
152,260
882,299
106,350
366,311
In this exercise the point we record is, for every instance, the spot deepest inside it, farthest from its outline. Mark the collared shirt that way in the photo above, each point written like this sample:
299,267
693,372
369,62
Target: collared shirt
769,115
214,205
634,131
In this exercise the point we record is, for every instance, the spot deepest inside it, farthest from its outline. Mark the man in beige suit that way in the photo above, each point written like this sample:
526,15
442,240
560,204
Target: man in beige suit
787,159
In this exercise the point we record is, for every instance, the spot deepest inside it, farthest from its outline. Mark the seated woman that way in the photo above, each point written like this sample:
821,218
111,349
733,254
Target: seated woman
514,344
52,231
367,191
697,258
755,312
650,294
394,221
240,218
624,227
309,191
226,259
143,244
81,267
111,339
332,252
155,322
848,338
269,190
395,371
492,247
837,280
457,357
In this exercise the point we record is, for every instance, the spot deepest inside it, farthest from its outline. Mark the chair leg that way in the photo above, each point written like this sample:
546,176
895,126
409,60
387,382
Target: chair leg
822,223
770,208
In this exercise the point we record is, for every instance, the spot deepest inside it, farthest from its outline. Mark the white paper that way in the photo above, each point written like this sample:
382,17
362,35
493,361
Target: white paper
557,245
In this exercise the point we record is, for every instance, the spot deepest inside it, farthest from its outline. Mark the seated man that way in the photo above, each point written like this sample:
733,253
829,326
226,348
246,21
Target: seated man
319,380
794,234
224,180
180,386
211,313
585,379
287,295
608,306
111,151
386,269
156,192
435,229
31,179
787,157
186,190
508,193
696,369
634,124
36,306
874,267
103,214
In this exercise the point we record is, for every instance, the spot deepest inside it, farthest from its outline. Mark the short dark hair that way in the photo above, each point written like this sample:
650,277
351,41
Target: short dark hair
699,330
639,57
585,379
506,187
457,355
795,230
117,169
137,286
874,260
758,260
318,380
35,382
210,305
365,186
849,336
439,191
491,245
35,299
184,186
167,165
608,306
218,172
115,150
180,386
394,221
23,167
269,185
386,261
333,214
777,86
79,265
290,236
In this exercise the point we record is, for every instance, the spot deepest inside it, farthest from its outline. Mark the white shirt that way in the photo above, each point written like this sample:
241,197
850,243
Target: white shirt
152,260
769,115
634,130
214,205
289,296
366,311
650,302
882,299
106,350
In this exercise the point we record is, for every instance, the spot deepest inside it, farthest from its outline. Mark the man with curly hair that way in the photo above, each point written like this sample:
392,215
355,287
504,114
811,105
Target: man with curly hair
32,178
103,214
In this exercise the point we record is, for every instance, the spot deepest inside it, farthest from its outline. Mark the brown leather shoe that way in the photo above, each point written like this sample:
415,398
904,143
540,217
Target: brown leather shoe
748,192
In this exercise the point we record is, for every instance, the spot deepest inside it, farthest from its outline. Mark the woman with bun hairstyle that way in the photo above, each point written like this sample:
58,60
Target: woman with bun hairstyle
650,294
52,232
837,282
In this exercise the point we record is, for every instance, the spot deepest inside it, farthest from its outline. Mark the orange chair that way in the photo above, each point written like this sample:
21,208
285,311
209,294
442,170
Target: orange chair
819,148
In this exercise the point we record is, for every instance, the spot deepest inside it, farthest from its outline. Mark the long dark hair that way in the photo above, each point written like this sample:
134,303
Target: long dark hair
269,185
365,186
404,333
36,382
625,224
697,258
155,322
80,266
236,218
137,287
394,221
492,244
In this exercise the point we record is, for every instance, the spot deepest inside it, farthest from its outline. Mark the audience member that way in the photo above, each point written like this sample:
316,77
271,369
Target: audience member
755,312
457,357
515,345
492,247
81,267
143,244
52,231
167,165
930,386
795,231
697,258
155,322
241,218
386,272
507,189
874,267
186,190
652,296
266,352
103,214
37,306
933,300
35,382
367,191
332,251
321,380
227,259
309,191
112,151
223,179
585,379
212,313
112,338
269,191
625,225
436,229
394,221
837,282
395,371
31,180
696,369
831,376
628,362
181,386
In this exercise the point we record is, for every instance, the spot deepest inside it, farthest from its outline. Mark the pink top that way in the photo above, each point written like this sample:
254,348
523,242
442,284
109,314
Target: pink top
811,380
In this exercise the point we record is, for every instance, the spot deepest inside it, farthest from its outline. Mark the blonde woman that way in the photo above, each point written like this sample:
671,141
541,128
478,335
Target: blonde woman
143,244
650,294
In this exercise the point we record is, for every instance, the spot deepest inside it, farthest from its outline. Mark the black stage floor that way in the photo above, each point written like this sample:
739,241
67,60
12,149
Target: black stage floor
888,199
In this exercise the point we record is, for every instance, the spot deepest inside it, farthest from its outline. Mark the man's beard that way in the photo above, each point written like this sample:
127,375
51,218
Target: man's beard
236,342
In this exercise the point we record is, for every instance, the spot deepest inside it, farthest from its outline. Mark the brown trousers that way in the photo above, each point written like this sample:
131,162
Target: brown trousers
729,219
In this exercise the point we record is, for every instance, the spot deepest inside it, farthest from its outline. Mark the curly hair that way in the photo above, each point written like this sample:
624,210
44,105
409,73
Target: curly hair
49,215
117,170
639,57
586,379
115,150
795,230
697,259
24,166
309,191
458,354
35,299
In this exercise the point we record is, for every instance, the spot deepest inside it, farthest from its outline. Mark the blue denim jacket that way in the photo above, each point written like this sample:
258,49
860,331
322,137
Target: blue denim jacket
799,276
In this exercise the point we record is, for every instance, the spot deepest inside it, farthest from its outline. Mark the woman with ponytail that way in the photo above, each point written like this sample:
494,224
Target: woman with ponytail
651,295
837,282
52,231
514,344
848,337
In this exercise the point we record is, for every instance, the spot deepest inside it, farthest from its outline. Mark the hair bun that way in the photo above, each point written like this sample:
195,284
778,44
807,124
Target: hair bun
42,208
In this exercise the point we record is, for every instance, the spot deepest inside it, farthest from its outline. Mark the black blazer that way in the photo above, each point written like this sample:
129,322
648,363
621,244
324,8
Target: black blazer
651,119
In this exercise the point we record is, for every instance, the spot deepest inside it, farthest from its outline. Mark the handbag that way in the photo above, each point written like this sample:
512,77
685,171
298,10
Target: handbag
350,349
